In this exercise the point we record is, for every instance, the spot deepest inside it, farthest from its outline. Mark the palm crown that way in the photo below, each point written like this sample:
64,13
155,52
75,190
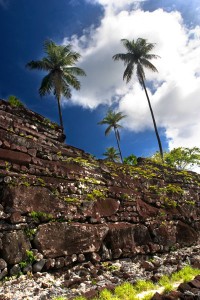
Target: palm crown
111,154
138,55
59,63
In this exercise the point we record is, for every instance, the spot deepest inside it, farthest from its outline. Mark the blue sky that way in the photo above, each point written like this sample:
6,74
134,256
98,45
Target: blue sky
94,28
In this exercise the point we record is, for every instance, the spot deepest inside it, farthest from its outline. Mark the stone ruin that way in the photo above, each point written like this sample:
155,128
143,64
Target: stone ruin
60,206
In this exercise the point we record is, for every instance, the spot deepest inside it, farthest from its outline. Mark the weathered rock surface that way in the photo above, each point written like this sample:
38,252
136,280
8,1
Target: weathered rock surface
62,239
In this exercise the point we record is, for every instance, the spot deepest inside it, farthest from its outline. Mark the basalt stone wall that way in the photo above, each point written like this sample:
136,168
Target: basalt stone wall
60,206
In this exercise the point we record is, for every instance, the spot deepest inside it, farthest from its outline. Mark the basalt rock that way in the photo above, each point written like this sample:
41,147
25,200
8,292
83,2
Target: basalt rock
59,206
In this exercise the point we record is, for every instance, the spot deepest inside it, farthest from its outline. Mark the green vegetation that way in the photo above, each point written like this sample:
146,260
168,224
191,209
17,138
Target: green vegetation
180,158
139,56
14,101
59,63
38,215
112,120
96,194
110,267
41,181
130,160
30,232
81,161
165,193
70,199
8,166
91,180
29,260
111,154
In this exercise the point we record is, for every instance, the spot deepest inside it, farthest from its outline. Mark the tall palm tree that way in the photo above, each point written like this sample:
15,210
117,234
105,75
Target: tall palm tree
139,56
59,62
112,120
111,154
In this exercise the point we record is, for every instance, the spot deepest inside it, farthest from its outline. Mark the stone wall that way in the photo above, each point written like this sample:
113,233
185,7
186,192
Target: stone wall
60,206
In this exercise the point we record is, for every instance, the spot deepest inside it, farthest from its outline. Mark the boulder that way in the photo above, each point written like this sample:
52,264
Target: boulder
15,246
61,239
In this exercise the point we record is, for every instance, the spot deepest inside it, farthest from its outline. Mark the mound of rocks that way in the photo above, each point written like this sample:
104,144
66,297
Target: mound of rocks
89,278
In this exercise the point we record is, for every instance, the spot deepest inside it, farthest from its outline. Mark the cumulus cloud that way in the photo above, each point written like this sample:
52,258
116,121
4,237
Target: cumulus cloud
174,91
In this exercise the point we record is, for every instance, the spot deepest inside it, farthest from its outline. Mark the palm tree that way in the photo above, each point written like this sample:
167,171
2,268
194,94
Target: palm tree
111,154
59,63
112,120
139,56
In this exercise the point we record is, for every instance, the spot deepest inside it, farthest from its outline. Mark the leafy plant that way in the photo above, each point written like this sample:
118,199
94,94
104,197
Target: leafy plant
125,291
144,285
30,232
111,154
96,194
36,215
130,160
29,260
14,101
181,158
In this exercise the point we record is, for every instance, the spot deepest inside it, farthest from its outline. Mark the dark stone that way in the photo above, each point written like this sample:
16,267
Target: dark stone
15,156
194,283
60,239
186,235
15,246
184,287
3,264
148,266
90,294
15,270
156,296
38,266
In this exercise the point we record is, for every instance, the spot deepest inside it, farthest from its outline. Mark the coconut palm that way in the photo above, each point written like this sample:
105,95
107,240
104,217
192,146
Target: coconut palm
112,120
111,154
59,62
138,57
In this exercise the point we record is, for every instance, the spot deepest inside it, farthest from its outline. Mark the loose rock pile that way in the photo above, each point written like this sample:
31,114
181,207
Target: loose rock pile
89,278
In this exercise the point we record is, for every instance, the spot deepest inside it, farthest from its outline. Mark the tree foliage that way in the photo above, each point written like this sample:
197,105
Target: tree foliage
59,63
130,160
112,154
14,101
181,158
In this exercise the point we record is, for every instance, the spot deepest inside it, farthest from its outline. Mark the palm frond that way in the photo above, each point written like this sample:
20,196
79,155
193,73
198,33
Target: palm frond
147,64
75,71
66,91
128,72
108,130
38,64
46,85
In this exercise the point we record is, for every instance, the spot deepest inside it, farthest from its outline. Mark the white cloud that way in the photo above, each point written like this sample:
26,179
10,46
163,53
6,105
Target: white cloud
176,98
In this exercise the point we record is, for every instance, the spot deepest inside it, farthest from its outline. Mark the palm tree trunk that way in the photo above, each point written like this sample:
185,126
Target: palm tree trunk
154,121
120,153
60,113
